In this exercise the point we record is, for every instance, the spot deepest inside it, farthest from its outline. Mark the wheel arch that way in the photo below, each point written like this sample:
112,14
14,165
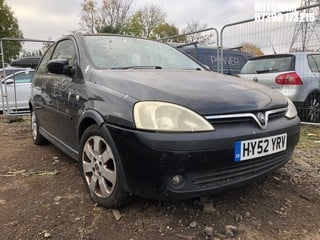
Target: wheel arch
91,117
87,119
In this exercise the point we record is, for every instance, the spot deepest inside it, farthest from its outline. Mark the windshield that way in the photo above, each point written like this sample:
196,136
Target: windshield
116,52
267,65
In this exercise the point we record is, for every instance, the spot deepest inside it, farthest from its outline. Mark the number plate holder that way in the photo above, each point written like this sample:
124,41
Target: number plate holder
255,148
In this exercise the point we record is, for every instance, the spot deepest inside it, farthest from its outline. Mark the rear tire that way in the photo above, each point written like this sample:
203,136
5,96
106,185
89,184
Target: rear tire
37,138
312,108
100,168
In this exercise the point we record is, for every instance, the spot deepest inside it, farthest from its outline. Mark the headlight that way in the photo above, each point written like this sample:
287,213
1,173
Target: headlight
161,116
292,111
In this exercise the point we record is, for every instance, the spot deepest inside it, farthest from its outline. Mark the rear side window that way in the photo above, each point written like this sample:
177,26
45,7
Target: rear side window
314,62
24,77
269,64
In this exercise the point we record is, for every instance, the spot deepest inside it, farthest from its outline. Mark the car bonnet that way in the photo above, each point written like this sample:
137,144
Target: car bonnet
202,91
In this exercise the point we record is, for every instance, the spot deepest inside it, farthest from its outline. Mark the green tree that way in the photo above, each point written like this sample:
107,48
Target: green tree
164,30
144,21
152,17
135,25
110,16
114,16
9,27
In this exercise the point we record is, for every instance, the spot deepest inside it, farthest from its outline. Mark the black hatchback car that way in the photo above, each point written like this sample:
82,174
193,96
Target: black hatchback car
143,118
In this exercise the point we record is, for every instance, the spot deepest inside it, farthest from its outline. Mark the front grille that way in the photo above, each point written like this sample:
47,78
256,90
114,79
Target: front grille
241,171
247,118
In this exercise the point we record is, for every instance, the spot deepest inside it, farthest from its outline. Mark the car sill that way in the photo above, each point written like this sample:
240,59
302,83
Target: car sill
57,142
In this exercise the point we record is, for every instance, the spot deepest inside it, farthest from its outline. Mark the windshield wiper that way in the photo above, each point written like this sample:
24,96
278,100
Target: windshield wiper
138,67
267,70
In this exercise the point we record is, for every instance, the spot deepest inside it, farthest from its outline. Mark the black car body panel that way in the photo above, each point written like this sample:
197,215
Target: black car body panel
67,104
150,160
174,86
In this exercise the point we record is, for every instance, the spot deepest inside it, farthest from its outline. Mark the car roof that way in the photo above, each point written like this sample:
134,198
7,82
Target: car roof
11,68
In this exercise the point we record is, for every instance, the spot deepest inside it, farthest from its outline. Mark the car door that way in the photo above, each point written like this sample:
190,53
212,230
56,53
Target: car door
42,103
60,89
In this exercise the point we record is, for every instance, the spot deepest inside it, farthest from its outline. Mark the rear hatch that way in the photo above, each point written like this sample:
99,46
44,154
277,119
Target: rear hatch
269,70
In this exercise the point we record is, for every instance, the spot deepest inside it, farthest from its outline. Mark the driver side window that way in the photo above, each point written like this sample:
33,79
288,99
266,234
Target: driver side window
65,50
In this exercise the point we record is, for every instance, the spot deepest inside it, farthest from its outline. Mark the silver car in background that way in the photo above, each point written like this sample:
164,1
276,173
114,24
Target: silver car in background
16,90
295,75
4,72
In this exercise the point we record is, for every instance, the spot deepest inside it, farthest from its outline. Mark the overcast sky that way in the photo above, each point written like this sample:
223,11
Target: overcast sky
51,19
42,19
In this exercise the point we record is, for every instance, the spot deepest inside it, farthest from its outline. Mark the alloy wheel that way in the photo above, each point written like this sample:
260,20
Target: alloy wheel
314,109
99,167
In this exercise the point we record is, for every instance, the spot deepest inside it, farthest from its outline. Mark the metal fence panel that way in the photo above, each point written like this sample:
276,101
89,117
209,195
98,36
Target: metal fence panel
14,94
207,55
295,73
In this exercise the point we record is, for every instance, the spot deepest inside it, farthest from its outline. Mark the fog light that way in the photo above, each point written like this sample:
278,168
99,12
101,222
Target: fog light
176,180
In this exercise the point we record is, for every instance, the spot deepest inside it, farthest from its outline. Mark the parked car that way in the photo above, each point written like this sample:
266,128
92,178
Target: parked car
26,62
142,118
233,60
295,75
16,89
9,70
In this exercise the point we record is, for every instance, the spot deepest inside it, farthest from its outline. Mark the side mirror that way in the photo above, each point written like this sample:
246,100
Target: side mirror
60,66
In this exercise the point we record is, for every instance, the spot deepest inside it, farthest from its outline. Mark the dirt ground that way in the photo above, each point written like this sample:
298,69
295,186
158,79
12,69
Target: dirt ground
42,197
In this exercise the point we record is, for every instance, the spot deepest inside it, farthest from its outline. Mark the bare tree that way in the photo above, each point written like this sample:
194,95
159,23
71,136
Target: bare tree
89,16
151,17
193,26
109,16
114,15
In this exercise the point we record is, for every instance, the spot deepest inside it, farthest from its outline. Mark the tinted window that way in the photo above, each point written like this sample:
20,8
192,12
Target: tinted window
43,64
118,52
270,64
314,62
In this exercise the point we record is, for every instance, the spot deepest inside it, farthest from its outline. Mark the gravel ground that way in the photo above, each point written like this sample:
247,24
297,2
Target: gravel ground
42,197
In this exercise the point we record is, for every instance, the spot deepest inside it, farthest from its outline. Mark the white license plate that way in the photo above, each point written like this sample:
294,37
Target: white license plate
249,149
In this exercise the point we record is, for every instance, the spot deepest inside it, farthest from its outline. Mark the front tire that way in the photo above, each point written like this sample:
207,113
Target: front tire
100,168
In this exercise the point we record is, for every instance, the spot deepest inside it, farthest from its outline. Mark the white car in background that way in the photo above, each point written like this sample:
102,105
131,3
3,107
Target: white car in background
9,70
295,75
16,90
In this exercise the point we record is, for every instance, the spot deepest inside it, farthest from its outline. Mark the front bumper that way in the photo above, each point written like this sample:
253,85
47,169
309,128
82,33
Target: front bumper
204,160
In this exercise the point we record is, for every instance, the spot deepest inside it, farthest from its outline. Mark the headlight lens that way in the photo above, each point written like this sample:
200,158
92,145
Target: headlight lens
292,111
161,116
